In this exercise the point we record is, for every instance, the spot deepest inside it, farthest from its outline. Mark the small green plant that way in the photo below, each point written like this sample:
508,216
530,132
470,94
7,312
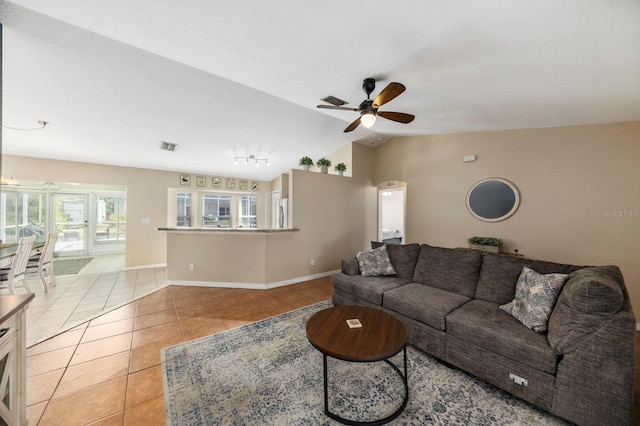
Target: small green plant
323,162
485,241
340,167
306,161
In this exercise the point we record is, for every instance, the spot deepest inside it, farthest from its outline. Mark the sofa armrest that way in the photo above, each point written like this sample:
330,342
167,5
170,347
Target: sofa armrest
588,301
592,327
350,266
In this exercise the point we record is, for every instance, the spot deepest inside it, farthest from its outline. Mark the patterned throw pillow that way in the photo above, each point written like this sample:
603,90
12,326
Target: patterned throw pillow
375,262
536,295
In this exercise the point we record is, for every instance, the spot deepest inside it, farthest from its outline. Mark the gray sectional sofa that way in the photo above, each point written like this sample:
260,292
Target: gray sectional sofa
581,369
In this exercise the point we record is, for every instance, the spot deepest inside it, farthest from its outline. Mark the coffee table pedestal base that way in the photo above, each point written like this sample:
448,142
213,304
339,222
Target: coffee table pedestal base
385,420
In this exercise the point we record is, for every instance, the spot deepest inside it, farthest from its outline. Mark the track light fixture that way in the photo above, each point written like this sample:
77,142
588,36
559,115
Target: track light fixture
251,160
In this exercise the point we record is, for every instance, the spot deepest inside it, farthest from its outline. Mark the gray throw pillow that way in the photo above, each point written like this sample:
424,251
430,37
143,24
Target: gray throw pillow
536,295
375,262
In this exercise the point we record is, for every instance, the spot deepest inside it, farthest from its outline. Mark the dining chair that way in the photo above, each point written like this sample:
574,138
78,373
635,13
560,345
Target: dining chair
17,273
44,262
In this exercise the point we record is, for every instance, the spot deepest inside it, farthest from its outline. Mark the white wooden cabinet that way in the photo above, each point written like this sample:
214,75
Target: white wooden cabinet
13,364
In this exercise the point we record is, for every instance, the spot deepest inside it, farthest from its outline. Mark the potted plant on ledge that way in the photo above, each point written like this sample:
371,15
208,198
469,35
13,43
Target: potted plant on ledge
324,164
487,244
340,168
306,162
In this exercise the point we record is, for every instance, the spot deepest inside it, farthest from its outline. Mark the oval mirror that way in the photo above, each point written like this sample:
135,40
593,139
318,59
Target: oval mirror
493,199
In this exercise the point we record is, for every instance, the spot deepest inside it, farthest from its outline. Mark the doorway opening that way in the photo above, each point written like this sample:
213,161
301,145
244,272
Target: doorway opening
391,212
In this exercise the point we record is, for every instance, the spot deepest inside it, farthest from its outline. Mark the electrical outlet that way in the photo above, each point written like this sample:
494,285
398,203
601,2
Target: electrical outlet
313,262
191,267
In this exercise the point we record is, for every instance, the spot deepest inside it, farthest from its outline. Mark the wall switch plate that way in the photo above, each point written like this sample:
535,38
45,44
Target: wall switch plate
191,267
313,262
145,220
468,158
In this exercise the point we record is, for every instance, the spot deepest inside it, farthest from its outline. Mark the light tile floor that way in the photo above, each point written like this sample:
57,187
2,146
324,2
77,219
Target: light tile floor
106,371
101,286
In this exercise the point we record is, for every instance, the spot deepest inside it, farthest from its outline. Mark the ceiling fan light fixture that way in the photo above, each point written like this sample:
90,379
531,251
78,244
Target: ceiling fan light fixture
367,119
368,108
8,179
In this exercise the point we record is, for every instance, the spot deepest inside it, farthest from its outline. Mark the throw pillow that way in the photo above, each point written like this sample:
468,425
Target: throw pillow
536,295
375,262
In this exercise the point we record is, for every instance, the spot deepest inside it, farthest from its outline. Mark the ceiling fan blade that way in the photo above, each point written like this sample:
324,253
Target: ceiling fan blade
337,107
353,125
400,117
390,92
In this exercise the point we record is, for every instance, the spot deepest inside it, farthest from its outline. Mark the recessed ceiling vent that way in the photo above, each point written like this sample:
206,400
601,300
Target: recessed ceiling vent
169,146
334,101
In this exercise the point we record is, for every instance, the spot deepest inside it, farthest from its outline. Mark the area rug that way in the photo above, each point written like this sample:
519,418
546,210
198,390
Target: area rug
70,266
268,373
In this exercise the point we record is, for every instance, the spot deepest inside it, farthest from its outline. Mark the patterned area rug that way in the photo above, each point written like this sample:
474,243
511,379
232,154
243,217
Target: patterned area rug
70,266
268,373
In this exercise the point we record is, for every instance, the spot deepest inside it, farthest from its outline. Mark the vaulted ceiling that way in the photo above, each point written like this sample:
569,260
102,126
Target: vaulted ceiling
237,78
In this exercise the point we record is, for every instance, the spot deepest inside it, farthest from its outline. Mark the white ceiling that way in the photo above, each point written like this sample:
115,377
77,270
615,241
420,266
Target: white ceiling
116,77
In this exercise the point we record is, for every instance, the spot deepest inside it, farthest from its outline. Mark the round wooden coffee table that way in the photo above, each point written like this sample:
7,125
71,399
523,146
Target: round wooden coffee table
380,337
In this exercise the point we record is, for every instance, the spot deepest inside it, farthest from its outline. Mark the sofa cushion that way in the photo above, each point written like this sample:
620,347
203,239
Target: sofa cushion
589,295
536,295
483,324
370,289
453,270
499,275
428,305
375,262
403,257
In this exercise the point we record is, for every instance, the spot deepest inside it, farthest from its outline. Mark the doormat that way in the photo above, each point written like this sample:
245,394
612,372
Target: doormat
70,266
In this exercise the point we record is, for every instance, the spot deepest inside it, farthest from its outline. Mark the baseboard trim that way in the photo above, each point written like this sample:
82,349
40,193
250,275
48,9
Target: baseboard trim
253,286
135,268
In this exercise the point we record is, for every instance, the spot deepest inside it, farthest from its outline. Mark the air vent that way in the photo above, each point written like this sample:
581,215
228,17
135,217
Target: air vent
169,146
391,184
334,101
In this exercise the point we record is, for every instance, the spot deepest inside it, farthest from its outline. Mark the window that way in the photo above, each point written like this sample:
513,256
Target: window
184,209
110,218
248,210
23,215
216,211
212,209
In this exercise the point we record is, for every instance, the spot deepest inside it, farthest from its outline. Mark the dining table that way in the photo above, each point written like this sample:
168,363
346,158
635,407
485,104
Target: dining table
8,252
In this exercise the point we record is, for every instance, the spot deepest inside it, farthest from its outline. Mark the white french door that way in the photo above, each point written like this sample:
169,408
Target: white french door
70,221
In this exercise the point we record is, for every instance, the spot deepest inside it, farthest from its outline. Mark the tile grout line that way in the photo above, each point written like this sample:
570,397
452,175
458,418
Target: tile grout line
66,367
137,313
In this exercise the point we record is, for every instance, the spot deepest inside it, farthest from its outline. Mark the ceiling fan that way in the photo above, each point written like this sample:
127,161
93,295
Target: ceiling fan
368,108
